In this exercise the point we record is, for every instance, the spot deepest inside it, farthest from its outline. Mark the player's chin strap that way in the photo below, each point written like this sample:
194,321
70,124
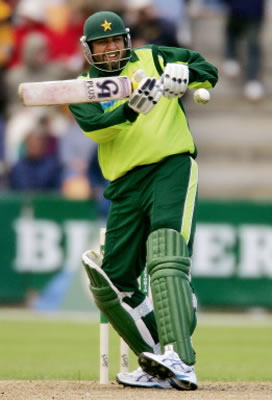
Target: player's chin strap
126,320
169,267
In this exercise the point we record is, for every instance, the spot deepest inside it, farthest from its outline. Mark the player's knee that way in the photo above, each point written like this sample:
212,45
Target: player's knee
166,241
166,223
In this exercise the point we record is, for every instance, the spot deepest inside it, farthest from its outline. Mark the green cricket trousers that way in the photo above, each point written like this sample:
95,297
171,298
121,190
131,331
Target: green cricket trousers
150,197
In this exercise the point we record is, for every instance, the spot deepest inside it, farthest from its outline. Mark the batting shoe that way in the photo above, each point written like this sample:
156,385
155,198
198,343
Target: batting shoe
169,366
141,379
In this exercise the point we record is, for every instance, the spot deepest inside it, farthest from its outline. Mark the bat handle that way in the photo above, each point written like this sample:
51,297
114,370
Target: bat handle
136,78
134,85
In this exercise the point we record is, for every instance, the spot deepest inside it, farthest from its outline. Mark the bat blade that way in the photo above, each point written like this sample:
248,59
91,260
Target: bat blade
74,91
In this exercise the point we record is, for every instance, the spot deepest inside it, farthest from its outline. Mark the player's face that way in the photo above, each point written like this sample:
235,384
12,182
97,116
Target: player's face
109,50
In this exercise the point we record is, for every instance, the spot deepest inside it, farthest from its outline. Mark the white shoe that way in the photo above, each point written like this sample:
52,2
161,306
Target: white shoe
139,378
254,90
169,366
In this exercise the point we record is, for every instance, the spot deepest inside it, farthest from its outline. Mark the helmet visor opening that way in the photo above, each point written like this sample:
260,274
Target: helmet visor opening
112,60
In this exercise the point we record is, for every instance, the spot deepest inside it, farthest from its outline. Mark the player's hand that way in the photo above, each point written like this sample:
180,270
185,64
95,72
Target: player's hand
146,96
175,80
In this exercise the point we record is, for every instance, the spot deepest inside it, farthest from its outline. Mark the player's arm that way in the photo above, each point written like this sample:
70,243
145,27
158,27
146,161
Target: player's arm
92,116
175,61
104,126
93,120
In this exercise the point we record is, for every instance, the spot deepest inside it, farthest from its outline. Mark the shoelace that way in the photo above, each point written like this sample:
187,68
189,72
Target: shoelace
178,363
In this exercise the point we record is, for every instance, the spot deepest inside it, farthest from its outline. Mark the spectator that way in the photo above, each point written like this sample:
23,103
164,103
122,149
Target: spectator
7,37
212,7
65,21
81,177
3,165
59,22
176,12
75,153
117,6
99,184
29,17
37,170
147,26
245,21
35,67
7,44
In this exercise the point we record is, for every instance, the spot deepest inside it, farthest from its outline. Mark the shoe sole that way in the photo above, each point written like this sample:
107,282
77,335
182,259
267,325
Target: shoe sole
154,368
153,386
181,384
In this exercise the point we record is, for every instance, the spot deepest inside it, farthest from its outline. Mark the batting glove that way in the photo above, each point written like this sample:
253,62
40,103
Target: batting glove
175,80
146,96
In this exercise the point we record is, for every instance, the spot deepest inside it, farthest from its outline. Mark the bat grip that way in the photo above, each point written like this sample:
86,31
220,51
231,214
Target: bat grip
134,85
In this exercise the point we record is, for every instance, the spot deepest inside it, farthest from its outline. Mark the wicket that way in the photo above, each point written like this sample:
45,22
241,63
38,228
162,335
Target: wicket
104,329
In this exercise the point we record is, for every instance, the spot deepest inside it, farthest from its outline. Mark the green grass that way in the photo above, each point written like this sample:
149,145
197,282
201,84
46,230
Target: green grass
234,353
46,349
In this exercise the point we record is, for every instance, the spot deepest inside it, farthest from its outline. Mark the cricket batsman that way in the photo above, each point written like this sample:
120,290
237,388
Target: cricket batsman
147,152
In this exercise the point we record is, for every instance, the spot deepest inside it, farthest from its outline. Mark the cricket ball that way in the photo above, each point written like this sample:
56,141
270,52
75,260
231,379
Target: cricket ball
202,96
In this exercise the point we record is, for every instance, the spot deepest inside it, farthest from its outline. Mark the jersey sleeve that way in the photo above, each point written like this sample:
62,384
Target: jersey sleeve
202,74
93,120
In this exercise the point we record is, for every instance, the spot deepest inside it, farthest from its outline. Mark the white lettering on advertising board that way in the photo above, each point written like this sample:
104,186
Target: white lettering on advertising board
220,250
255,251
37,245
214,250
45,245
223,250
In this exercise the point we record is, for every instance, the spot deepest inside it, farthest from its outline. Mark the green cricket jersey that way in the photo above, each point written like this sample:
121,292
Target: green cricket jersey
127,139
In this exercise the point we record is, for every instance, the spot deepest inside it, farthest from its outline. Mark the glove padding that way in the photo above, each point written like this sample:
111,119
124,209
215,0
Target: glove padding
175,80
146,96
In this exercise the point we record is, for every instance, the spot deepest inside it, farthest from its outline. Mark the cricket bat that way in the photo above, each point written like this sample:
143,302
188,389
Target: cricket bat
75,91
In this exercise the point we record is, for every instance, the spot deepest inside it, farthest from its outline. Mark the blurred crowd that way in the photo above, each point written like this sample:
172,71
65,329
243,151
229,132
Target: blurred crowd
42,148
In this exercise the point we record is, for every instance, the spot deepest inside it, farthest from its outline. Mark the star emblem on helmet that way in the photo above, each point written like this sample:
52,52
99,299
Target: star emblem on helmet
107,26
